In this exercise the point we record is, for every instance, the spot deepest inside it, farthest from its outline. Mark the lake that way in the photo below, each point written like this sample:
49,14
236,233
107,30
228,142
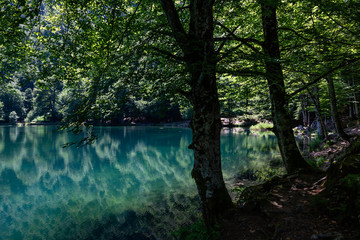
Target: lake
132,183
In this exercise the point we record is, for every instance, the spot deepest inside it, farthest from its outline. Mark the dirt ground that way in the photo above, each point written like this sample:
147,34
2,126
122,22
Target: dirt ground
289,209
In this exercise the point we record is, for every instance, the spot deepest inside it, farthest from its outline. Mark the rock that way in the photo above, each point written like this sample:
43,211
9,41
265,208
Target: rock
300,127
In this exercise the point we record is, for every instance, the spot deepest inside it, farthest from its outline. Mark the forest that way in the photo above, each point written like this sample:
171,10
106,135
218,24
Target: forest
108,62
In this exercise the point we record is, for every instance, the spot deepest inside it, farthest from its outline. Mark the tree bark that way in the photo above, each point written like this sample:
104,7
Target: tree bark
322,131
303,111
53,104
198,48
290,153
334,111
356,108
206,126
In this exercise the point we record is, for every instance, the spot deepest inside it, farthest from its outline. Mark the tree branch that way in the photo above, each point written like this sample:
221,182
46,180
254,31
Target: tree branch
295,32
186,94
168,54
342,64
174,22
242,72
245,41
127,26
183,8
336,22
224,40
228,52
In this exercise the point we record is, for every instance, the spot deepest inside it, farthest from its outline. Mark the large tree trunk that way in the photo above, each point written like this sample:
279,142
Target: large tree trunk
334,111
198,49
290,153
206,126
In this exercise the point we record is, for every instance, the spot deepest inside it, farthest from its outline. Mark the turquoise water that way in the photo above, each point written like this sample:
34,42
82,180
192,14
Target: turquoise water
133,183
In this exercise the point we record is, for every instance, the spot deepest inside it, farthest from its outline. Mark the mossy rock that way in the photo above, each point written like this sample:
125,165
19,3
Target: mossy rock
346,163
343,186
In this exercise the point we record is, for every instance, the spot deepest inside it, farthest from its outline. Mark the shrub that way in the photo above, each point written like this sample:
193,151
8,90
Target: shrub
13,117
262,126
30,116
39,119
316,162
315,144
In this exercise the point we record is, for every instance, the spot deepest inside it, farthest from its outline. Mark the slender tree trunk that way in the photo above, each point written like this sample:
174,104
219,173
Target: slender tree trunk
246,106
53,104
319,129
356,108
334,111
304,117
303,110
290,153
198,49
325,121
322,131
350,105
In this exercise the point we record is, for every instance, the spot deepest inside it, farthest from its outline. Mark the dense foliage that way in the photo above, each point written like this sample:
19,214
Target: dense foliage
52,56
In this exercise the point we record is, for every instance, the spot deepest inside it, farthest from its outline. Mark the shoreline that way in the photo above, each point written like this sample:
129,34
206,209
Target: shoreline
226,123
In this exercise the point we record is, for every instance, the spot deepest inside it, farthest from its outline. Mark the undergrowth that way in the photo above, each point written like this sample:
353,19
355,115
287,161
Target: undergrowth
342,199
262,126
262,174
316,162
197,231
315,144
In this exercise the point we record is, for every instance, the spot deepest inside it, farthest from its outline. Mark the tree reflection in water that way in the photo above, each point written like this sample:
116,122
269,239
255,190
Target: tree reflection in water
133,183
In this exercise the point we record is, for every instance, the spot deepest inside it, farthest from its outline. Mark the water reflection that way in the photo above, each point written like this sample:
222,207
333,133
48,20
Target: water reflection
242,150
126,180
